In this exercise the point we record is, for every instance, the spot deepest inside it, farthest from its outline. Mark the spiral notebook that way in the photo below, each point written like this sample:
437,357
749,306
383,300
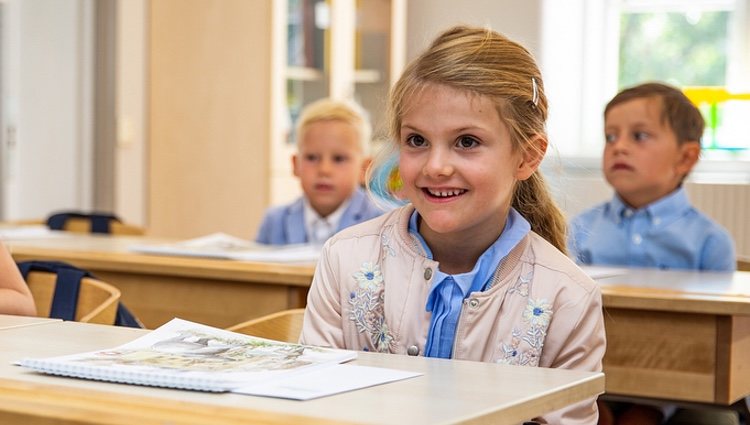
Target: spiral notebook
187,355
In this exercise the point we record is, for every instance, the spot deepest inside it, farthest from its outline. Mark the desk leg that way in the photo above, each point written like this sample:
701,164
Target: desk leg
732,353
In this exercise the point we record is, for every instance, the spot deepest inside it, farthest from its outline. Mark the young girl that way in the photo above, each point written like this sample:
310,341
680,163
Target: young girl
473,268
15,297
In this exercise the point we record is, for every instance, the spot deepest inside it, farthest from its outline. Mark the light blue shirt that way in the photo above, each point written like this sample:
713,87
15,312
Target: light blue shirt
667,234
448,291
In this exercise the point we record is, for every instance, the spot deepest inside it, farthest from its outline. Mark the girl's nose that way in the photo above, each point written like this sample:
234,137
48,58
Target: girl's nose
438,164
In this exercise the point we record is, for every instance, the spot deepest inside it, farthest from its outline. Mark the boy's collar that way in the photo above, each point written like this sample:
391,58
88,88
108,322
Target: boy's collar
662,209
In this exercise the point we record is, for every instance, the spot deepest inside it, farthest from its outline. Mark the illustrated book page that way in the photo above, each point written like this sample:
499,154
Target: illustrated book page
187,355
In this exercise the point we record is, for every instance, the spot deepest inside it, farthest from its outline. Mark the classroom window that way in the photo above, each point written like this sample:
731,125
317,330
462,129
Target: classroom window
688,44
593,48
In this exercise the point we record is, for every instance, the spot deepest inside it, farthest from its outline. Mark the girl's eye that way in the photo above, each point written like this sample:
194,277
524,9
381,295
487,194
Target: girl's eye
340,158
609,138
416,141
311,158
640,136
466,142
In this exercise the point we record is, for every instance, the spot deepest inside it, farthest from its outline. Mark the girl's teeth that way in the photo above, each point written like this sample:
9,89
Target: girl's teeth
446,193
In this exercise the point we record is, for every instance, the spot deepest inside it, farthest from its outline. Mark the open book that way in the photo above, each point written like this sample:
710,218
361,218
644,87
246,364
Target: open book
221,245
187,355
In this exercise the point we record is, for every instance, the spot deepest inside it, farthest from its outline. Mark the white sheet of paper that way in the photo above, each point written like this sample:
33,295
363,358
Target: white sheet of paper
220,245
327,381
599,272
28,232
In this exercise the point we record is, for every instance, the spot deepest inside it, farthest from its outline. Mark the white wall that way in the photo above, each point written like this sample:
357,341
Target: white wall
47,101
517,20
130,157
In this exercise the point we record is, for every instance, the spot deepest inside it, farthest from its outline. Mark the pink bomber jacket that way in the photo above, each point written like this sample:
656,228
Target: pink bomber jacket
371,285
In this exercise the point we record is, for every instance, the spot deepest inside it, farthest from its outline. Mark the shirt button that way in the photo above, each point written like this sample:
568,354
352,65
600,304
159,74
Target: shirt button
637,239
628,212
474,303
657,220
427,274
413,350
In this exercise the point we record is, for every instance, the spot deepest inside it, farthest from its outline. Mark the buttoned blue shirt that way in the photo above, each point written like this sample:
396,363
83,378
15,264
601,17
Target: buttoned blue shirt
667,234
448,292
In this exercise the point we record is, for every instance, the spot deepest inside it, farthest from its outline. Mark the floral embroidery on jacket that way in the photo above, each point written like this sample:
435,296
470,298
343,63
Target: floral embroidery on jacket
386,242
536,317
367,307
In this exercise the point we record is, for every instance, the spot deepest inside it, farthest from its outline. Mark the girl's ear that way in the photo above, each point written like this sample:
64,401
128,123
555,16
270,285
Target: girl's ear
689,154
531,157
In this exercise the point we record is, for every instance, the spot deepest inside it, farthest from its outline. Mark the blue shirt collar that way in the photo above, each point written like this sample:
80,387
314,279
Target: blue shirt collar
664,209
516,228
447,292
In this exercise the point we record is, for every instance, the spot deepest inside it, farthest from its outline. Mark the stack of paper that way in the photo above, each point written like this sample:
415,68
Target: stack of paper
11,233
220,245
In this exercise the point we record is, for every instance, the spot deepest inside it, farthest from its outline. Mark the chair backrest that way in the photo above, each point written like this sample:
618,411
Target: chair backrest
284,326
79,222
743,265
97,300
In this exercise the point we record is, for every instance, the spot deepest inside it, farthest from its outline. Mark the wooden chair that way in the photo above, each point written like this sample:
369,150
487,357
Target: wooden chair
83,225
97,300
283,326
743,265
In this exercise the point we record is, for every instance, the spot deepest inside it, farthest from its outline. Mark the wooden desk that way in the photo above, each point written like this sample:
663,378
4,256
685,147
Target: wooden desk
681,336
448,392
8,321
156,288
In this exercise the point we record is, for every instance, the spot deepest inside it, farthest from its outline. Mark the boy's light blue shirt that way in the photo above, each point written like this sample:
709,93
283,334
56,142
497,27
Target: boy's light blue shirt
448,291
285,224
667,234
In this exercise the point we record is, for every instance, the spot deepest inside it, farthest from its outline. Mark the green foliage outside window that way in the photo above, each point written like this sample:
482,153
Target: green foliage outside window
674,47
685,50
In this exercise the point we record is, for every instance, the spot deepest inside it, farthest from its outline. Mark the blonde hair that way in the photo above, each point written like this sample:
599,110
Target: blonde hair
337,110
483,62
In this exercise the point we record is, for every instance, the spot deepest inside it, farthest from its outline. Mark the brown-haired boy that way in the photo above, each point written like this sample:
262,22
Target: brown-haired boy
652,141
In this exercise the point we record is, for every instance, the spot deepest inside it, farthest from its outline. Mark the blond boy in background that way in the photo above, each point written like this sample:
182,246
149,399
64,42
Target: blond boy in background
333,138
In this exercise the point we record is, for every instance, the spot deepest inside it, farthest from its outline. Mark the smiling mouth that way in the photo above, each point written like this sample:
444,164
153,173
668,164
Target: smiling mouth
444,194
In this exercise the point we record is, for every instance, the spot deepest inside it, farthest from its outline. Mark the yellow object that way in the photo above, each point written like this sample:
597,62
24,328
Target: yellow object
394,181
712,94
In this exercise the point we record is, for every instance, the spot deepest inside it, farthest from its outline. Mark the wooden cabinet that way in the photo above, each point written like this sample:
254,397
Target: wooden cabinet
208,116
226,79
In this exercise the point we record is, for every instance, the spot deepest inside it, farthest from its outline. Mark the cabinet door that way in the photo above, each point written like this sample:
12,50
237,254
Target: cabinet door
209,119
379,57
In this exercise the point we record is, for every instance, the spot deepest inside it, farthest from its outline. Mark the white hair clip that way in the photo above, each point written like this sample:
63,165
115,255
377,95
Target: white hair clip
535,92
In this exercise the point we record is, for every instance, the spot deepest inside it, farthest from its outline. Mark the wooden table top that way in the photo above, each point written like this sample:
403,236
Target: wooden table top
449,391
8,321
679,291
111,253
672,290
